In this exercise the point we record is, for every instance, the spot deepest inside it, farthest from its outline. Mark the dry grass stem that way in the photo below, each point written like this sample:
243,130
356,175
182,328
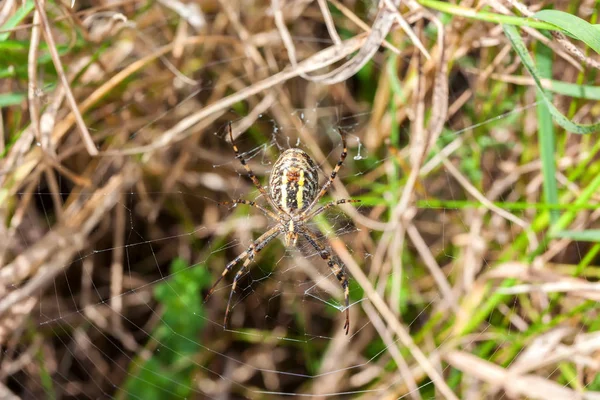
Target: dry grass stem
391,320
361,24
32,88
468,269
49,256
83,131
329,22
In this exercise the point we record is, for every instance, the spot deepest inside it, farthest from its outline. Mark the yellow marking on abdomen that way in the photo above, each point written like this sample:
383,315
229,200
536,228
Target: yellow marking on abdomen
283,188
300,193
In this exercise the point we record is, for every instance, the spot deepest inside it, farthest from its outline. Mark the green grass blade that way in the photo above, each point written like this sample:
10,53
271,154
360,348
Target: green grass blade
576,27
11,99
586,194
574,90
479,15
590,235
517,43
546,135
17,17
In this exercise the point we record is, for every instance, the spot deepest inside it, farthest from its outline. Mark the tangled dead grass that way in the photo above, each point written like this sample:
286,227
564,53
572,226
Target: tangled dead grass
108,175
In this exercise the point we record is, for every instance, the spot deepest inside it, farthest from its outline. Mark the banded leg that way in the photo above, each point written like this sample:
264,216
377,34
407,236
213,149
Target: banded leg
319,210
334,172
336,269
250,173
239,274
261,241
251,204
257,248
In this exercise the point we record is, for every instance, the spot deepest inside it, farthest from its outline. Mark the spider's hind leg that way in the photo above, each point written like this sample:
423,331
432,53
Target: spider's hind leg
228,268
254,248
251,252
336,269
239,274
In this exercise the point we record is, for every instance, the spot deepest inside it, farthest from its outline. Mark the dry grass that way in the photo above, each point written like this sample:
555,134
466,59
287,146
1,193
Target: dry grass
114,159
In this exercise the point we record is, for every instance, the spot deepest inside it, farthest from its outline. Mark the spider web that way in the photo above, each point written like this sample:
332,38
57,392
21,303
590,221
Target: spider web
288,278
284,336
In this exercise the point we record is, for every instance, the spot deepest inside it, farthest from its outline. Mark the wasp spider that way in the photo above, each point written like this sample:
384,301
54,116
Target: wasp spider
293,196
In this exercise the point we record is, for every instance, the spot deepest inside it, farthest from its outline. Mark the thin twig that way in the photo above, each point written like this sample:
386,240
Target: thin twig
5,11
181,130
395,325
408,30
62,242
329,22
381,27
386,335
83,131
472,190
116,279
33,100
362,25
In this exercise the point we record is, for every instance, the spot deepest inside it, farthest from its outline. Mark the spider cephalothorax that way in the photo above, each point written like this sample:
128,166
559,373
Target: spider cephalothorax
292,195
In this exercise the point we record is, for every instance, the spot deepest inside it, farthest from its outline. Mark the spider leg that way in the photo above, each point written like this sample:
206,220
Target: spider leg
268,213
319,210
334,172
336,269
249,171
258,245
239,274
225,271
262,240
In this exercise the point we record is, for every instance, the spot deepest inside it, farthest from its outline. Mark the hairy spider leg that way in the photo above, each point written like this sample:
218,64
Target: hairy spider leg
250,173
333,173
268,213
337,270
319,210
261,241
259,245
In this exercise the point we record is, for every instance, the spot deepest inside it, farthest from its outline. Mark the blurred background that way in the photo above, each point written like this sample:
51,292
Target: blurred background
472,256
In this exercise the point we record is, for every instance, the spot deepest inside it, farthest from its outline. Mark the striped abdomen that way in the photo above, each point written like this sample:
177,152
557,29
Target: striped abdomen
294,180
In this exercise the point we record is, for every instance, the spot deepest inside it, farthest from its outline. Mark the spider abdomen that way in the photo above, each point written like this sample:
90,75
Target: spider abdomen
294,180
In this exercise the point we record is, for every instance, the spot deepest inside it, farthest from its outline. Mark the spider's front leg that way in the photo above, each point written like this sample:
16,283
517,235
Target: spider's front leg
265,211
333,173
336,269
327,206
250,173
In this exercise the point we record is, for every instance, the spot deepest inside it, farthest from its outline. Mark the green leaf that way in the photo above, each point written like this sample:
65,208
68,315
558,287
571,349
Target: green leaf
169,373
576,27
22,12
517,43
11,99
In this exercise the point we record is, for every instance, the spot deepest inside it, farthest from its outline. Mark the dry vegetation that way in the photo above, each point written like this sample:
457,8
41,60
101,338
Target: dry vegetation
472,255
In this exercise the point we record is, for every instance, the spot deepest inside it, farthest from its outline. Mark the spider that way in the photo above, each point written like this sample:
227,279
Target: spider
293,196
